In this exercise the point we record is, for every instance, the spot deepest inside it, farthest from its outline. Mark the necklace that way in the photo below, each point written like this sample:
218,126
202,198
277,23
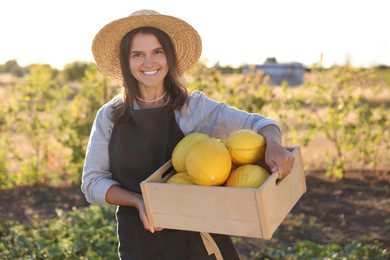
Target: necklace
151,100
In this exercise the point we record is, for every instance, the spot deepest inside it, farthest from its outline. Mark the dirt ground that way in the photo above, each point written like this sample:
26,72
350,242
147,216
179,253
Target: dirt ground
353,210
356,209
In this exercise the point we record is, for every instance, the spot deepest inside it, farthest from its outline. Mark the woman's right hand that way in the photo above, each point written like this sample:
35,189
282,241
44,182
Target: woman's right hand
144,217
116,195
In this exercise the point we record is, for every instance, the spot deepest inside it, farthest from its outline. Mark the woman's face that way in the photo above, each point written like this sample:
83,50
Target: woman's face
148,62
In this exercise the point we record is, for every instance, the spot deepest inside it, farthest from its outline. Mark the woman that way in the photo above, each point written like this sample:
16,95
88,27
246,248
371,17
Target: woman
134,134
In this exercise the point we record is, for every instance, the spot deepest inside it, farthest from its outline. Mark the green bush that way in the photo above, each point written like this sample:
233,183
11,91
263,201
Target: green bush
89,233
309,250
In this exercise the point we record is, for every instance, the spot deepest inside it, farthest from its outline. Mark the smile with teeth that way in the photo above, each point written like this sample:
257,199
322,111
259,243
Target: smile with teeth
151,72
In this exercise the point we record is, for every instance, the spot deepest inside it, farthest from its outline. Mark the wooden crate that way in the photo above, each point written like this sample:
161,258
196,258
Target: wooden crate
224,210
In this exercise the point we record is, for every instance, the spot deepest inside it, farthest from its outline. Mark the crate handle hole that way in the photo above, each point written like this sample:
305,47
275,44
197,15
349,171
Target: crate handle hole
278,181
165,174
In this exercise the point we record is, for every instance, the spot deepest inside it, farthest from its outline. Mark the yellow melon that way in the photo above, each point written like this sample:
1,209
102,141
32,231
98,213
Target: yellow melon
247,176
208,162
246,147
180,178
180,151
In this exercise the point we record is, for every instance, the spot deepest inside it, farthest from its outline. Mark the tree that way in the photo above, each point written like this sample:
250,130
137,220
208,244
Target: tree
33,115
75,70
13,67
79,115
271,60
356,129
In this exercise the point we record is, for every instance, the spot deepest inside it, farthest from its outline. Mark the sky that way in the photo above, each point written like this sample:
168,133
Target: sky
233,32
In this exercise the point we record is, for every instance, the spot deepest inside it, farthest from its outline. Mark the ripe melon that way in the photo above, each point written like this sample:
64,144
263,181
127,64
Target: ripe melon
180,178
180,151
247,176
208,162
246,147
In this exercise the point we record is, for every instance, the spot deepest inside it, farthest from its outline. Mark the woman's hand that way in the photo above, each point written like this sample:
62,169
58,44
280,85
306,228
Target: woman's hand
276,156
116,195
279,159
144,217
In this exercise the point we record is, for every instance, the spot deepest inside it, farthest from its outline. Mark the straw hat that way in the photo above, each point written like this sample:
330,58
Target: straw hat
106,45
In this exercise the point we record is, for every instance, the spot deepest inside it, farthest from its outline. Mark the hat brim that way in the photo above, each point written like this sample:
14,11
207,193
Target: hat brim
106,44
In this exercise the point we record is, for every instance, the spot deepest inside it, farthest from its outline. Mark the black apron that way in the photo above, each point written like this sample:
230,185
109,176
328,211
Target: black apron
136,150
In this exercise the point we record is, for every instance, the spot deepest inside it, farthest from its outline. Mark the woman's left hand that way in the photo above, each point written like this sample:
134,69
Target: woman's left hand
279,159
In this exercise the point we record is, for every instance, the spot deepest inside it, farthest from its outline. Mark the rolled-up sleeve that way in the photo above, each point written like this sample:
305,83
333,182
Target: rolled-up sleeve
202,114
97,178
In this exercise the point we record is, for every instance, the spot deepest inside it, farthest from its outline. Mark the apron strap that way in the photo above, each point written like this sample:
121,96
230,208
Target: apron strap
211,246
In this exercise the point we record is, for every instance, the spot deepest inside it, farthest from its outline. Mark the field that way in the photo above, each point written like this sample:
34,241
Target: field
353,210
348,216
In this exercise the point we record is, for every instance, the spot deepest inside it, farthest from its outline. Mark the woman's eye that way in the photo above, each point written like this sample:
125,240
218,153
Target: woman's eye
135,55
159,52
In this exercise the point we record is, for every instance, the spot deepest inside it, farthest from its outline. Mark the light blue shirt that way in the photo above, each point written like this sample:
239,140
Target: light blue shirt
199,114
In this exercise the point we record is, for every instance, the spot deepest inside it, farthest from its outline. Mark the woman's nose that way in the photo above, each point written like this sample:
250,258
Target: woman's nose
148,60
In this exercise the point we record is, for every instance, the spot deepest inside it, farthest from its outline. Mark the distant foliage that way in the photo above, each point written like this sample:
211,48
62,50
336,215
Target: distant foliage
78,116
75,70
46,119
13,67
250,92
32,126
46,126
358,130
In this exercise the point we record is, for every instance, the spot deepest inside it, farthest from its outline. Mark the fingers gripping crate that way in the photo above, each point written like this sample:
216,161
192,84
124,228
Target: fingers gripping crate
224,210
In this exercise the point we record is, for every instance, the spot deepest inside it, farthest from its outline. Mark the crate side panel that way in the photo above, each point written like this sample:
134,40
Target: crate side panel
191,200
278,198
211,225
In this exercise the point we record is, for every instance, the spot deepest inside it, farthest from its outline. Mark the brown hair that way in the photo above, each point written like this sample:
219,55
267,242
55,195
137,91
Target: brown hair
173,82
